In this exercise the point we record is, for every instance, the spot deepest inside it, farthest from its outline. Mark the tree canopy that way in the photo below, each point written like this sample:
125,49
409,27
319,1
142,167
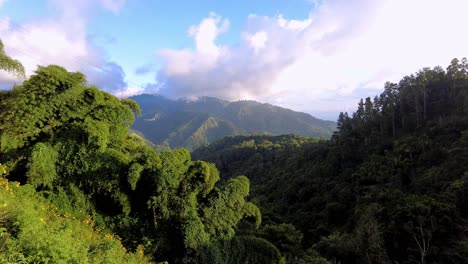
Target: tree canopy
77,186
71,143
387,188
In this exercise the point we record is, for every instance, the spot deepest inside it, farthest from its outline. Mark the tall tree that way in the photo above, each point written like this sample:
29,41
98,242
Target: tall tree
10,65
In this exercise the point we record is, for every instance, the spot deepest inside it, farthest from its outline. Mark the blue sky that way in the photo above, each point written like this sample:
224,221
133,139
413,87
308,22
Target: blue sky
316,56
132,35
161,24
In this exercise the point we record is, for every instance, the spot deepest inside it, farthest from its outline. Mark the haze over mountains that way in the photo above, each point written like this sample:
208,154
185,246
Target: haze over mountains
191,124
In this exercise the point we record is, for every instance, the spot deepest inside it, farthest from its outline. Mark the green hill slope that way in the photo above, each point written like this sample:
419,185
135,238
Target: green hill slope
255,117
184,129
192,124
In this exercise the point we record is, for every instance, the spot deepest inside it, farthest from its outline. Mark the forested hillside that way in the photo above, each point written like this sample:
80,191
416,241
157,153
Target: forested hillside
389,187
191,124
77,186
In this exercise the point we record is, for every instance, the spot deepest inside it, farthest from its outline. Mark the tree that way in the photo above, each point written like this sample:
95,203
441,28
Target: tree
285,237
367,238
10,65
13,66
425,221
189,212
389,100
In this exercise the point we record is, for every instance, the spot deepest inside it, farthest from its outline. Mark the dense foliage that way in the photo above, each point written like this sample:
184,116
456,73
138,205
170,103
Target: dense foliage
73,173
78,186
191,124
389,187
37,230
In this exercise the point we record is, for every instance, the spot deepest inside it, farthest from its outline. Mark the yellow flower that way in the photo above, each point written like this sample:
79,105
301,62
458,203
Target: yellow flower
3,169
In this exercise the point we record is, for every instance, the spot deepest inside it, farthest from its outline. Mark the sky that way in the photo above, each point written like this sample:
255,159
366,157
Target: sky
315,56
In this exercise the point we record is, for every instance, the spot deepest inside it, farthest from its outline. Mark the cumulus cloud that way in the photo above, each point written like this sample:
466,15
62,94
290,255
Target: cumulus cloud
61,40
343,49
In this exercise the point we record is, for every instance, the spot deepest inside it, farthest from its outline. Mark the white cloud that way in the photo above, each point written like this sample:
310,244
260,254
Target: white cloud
46,42
344,49
206,33
60,40
258,40
294,24
129,91
113,5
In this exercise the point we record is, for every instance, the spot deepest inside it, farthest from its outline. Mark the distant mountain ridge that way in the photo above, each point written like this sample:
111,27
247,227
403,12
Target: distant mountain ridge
191,124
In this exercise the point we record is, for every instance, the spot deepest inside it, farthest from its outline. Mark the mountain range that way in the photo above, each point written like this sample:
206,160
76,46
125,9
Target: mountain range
195,123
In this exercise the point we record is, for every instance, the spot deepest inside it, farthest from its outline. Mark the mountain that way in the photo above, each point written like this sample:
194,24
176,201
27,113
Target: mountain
191,124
